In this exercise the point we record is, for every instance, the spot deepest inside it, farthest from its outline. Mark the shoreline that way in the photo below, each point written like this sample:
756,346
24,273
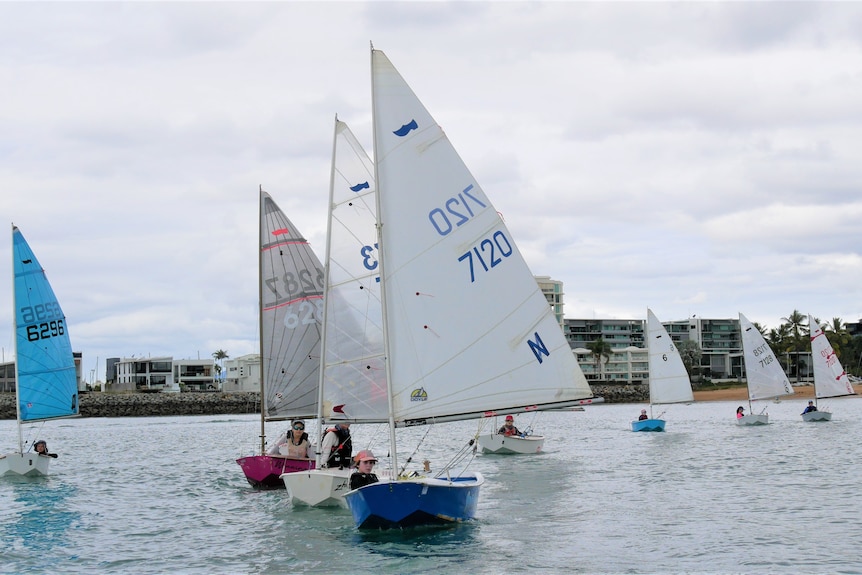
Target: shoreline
741,393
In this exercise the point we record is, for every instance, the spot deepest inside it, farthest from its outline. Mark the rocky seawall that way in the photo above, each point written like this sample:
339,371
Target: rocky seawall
150,404
153,404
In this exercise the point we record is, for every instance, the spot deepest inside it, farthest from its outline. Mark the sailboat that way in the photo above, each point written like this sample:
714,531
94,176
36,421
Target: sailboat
763,373
467,332
351,368
830,379
668,378
290,307
46,384
501,444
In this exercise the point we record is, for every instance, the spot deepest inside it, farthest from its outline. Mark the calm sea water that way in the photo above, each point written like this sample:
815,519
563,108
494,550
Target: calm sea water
164,495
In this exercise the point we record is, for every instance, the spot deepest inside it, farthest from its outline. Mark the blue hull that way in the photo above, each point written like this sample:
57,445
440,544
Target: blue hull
648,425
414,502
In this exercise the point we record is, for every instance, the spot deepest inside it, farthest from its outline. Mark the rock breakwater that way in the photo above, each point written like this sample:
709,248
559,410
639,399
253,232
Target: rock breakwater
151,404
154,404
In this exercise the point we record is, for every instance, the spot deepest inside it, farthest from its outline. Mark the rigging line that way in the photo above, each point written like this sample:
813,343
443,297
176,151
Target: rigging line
419,444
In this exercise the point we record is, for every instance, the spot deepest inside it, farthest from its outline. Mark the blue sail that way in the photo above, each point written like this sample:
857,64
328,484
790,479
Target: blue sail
46,384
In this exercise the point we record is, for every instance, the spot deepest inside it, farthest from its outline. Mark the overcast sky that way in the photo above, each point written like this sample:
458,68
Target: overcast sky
695,158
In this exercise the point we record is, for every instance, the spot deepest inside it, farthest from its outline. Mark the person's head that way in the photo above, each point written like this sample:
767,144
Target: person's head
298,426
365,461
740,409
810,403
40,446
510,421
643,411
342,425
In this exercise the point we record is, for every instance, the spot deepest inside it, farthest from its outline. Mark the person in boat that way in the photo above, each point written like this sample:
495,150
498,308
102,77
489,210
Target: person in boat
811,407
41,447
294,443
509,427
740,412
337,446
643,415
364,474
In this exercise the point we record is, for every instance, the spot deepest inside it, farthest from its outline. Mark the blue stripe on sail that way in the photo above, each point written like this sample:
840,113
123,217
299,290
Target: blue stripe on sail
47,382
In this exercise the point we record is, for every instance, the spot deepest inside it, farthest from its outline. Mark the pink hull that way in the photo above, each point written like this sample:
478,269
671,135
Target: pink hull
264,471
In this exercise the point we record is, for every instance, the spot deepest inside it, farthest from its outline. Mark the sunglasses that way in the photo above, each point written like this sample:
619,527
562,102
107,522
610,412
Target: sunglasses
299,427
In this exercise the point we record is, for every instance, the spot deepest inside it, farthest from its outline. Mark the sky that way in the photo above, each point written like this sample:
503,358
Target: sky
694,158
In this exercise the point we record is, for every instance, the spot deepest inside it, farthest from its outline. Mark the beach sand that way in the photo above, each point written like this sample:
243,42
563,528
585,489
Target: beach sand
741,393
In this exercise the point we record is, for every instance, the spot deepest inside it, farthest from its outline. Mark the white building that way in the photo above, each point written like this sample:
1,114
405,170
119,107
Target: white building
242,373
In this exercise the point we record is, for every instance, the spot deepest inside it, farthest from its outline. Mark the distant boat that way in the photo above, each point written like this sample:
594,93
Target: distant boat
523,444
290,284
46,384
467,332
351,357
764,375
668,378
830,379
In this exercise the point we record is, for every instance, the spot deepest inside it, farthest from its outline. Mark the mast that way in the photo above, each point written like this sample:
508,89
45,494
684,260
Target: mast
381,249
15,344
260,321
318,456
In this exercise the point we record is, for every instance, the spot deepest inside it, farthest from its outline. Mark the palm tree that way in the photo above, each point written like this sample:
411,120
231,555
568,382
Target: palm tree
798,328
837,334
219,356
599,349
690,352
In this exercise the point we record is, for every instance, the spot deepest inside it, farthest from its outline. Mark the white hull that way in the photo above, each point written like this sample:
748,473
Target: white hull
755,419
26,464
318,487
817,416
502,444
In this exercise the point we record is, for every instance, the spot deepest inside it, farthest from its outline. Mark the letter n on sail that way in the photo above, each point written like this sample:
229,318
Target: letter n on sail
538,347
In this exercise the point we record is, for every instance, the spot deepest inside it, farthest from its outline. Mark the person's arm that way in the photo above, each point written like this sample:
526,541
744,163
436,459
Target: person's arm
326,447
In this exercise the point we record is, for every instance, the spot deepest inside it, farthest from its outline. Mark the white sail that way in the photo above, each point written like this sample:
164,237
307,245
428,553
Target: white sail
354,383
291,300
830,379
764,373
668,378
468,330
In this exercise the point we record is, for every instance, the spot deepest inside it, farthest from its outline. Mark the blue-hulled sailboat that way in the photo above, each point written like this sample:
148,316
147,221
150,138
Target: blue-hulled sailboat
467,332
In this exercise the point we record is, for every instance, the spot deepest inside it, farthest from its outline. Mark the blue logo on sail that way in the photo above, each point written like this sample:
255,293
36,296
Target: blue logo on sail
359,187
406,128
419,394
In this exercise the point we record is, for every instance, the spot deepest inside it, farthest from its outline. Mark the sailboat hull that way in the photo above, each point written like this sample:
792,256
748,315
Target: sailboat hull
754,419
511,444
318,487
817,416
414,502
24,464
265,471
648,425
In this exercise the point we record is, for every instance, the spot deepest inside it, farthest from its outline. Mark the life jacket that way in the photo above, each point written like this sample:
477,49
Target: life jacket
341,452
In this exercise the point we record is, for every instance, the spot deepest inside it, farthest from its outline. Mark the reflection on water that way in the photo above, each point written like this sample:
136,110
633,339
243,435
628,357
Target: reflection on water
156,495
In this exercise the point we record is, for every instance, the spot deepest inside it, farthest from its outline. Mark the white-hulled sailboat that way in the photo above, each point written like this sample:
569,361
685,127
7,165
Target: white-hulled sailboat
830,379
46,383
467,331
668,378
763,373
351,368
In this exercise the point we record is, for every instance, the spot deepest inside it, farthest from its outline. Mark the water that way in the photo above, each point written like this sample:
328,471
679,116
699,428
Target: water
159,495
